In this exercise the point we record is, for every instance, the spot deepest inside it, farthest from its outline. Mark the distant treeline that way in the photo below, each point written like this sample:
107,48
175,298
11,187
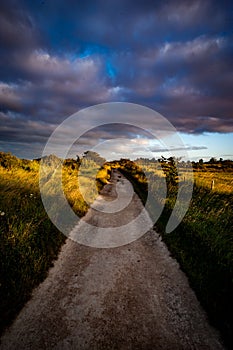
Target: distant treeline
9,161
168,165
213,163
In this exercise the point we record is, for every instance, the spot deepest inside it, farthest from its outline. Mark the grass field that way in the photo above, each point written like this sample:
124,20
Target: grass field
29,241
223,181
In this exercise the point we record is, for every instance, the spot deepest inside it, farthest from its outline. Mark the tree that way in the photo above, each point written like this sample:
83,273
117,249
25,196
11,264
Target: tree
8,161
213,160
199,164
172,175
170,169
90,155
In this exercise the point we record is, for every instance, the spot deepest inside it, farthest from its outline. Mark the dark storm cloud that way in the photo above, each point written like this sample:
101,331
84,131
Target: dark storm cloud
17,29
113,131
124,24
20,129
58,87
58,57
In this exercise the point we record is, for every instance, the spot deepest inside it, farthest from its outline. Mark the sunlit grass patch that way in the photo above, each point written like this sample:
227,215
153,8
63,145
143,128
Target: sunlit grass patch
29,241
218,181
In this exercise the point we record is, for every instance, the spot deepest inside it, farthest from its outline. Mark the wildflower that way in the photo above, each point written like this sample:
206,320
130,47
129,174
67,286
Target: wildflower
2,213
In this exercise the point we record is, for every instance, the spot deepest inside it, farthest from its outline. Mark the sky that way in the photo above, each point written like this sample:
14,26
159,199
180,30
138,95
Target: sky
175,57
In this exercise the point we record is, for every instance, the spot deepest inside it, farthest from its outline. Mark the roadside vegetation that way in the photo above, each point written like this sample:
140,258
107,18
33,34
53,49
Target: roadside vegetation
203,242
29,241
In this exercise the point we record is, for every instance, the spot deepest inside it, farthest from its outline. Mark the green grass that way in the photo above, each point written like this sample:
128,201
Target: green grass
203,244
29,241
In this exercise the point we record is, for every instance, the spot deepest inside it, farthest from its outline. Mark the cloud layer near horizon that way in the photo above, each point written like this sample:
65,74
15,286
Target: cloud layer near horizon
174,57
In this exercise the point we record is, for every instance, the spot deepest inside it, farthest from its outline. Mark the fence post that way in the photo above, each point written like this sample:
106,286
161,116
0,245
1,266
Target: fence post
212,185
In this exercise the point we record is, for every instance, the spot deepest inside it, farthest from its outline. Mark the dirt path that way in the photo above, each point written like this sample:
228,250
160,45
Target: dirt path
129,297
